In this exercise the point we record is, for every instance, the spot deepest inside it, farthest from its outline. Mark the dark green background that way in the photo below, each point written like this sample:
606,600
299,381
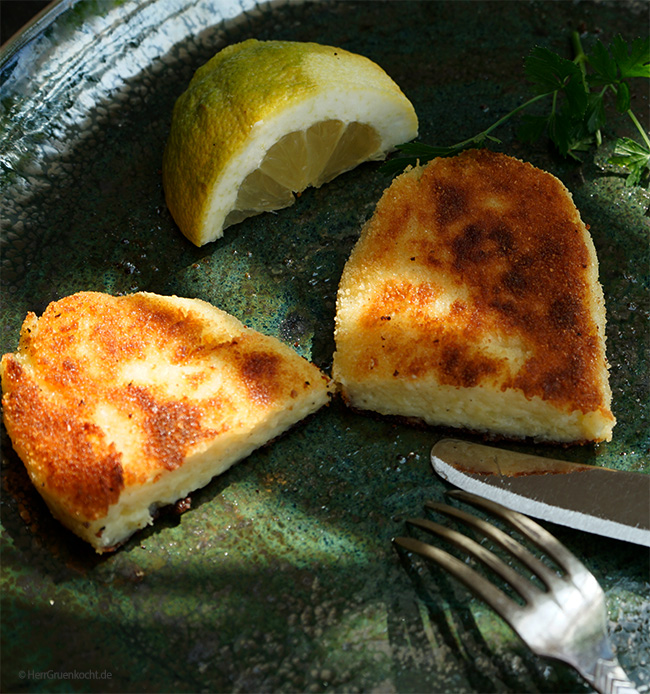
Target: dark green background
282,576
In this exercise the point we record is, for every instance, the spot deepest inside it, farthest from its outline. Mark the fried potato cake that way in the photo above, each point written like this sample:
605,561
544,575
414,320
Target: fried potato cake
472,300
120,405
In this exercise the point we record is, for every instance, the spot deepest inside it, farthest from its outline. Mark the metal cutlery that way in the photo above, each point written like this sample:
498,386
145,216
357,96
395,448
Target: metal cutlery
563,615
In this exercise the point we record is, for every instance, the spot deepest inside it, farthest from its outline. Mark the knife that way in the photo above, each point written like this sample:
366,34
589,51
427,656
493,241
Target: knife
585,497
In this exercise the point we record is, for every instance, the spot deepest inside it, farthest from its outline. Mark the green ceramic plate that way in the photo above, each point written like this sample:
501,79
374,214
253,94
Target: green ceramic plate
282,576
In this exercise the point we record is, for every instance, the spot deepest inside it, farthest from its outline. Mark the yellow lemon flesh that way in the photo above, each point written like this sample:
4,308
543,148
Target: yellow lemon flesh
263,120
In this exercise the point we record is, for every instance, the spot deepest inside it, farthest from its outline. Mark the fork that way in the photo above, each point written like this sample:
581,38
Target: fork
567,621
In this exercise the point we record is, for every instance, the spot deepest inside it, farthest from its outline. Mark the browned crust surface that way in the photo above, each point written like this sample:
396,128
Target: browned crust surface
507,238
78,465
72,361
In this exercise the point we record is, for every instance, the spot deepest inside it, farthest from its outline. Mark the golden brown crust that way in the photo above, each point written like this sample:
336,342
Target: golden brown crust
79,465
503,244
109,392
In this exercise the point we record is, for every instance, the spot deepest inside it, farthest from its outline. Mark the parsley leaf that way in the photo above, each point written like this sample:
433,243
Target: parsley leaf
595,116
634,62
604,66
577,115
551,73
623,98
634,156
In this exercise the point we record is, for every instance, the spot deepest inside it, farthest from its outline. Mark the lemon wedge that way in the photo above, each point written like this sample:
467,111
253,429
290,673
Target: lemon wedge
263,120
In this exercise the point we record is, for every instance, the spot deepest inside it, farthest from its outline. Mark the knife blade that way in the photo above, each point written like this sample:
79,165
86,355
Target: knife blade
598,500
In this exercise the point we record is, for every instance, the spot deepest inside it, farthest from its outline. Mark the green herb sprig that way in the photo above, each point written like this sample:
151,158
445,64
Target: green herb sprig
577,90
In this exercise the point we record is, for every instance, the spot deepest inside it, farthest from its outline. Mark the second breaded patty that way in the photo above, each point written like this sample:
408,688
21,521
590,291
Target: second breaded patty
119,405
472,300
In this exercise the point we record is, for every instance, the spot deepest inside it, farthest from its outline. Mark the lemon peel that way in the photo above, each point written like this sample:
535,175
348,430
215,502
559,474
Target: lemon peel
263,120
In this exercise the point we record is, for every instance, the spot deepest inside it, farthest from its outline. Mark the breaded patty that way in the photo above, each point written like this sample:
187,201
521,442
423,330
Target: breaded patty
472,300
120,405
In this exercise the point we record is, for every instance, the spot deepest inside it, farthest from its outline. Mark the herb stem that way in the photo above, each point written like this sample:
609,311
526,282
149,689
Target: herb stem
577,46
581,61
577,114
485,133
499,122
632,117
644,135
580,58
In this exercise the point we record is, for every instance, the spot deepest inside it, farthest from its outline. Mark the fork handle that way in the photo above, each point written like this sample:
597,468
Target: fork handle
608,677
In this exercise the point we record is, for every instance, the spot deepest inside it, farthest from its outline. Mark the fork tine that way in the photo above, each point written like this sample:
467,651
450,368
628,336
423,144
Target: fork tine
526,589
548,577
528,528
568,624
507,608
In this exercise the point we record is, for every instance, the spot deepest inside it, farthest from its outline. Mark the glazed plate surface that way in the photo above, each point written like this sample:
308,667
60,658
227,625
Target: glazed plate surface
282,575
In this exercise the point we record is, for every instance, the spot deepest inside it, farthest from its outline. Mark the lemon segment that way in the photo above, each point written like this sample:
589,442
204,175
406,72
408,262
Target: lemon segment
263,120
